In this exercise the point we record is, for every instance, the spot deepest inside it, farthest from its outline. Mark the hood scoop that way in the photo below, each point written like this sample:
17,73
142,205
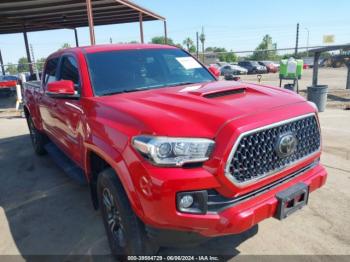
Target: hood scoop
225,93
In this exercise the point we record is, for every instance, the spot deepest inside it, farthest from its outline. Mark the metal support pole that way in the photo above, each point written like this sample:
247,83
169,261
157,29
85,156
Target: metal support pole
2,64
76,37
141,27
197,45
315,69
91,21
348,79
165,33
28,53
34,64
297,40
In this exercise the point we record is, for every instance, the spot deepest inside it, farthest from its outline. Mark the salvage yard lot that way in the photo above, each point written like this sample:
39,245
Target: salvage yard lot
42,211
335,78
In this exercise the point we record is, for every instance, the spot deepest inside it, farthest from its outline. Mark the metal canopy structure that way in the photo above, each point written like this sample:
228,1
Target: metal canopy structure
22,16
330,48
317,53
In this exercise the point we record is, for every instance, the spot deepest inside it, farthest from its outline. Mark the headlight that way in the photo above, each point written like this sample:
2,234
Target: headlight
171,151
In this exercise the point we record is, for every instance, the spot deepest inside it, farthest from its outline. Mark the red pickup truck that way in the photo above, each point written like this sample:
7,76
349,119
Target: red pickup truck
171,154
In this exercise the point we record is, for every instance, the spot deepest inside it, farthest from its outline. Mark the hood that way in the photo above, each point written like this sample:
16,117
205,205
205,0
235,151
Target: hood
192,110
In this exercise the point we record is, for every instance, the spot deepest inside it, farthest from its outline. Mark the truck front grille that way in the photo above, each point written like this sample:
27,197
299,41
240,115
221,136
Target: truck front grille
257,153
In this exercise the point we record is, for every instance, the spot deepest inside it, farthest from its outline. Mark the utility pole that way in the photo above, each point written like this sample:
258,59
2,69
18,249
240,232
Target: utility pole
34,64
2,64
202,39
297,40
197,45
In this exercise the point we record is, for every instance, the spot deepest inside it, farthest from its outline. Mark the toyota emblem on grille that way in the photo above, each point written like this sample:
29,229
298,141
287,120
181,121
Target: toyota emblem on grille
286,144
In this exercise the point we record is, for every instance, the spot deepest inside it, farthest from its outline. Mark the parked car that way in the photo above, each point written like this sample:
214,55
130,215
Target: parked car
253,67
214,65
309,62
242,70
173,156
229,70
221,64
270,66
276,64
8,84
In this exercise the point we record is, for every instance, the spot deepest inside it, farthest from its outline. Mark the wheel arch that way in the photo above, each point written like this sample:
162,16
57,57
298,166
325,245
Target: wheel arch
96,162
26,111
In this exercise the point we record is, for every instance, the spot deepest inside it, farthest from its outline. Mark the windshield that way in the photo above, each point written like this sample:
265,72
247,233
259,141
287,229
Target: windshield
135,70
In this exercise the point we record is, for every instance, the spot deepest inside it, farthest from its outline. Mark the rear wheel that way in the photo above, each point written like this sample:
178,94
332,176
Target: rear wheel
38,139
125,232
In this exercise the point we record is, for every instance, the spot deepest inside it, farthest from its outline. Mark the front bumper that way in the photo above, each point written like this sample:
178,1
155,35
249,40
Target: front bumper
157,194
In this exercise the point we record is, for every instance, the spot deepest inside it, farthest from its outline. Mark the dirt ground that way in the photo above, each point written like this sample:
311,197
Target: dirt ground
335,78
42,211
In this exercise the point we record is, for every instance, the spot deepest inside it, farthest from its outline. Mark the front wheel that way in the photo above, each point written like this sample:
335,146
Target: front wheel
126,233
38,139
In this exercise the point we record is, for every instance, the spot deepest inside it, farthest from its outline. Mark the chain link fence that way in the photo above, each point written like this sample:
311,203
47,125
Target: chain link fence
336,59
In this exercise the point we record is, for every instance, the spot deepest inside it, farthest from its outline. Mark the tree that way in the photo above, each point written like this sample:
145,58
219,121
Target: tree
65,45
161,40
188,43
202,39
261,52
230,57
223,55
11,69
40,63
23,65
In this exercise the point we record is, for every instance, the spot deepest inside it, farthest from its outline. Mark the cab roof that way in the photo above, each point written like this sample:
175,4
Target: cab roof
109,47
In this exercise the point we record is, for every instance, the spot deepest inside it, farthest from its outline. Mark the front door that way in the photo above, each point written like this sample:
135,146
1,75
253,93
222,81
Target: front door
69,111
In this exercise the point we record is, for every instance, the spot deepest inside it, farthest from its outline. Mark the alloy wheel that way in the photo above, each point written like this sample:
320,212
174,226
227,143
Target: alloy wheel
113,218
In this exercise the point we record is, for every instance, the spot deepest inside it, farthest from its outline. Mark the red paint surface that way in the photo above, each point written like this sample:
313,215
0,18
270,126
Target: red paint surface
106,125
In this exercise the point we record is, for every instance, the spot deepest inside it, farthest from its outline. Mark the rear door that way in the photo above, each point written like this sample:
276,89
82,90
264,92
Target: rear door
69,111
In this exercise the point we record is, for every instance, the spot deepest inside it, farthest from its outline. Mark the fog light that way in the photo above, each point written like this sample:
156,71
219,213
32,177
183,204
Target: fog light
194,202
186,201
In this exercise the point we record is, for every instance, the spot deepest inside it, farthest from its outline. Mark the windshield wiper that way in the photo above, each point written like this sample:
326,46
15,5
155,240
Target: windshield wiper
182,83
152,87
133,90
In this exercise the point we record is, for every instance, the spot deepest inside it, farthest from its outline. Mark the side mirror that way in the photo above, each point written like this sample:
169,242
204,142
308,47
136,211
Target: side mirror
61,89
214,71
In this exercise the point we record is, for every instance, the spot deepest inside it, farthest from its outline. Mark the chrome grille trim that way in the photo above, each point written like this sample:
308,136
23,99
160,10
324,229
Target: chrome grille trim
231,177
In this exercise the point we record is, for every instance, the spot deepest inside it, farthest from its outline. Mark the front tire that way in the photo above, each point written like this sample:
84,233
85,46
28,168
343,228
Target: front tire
39,140
126,233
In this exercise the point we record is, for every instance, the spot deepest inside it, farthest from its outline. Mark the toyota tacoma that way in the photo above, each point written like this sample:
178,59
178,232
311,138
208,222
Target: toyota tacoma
170,153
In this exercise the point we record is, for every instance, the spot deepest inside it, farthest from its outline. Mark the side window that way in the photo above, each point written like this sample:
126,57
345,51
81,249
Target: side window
69,70
50,70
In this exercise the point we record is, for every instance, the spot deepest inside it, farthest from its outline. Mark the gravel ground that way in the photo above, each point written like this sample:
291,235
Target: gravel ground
335,78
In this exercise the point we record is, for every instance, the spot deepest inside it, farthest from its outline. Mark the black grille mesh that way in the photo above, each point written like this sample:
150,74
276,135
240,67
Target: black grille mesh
255,155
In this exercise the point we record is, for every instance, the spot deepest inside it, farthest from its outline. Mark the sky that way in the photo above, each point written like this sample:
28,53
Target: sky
234,24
